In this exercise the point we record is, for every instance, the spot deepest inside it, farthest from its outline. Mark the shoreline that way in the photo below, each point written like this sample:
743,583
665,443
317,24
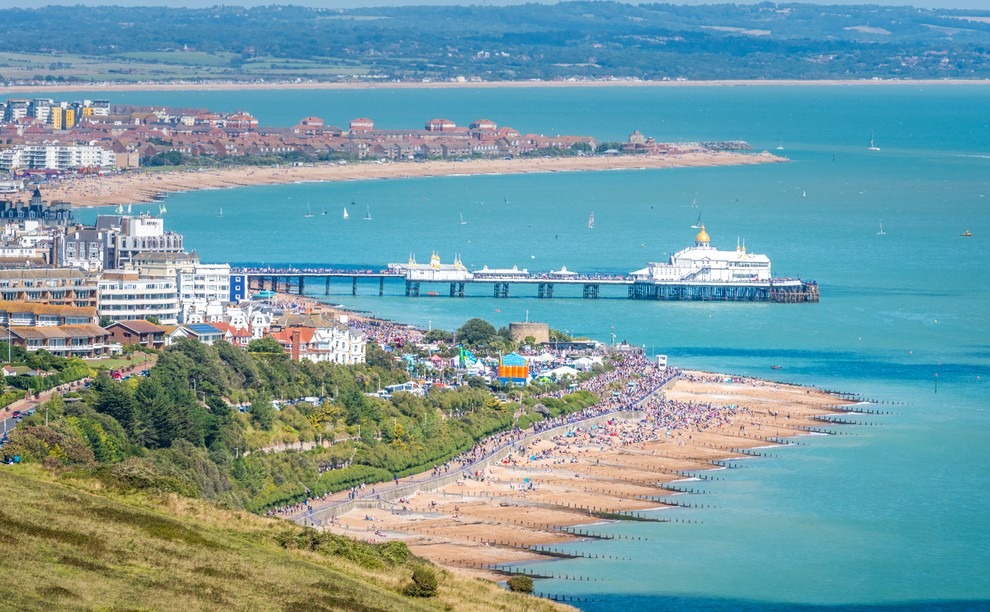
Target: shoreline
238,86
518,506
144,187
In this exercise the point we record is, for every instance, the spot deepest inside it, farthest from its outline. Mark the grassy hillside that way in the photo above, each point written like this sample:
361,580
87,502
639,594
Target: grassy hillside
72,544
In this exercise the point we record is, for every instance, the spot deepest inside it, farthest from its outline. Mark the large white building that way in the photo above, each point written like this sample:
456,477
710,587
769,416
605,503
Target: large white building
55,156
125,295
203,291
704,264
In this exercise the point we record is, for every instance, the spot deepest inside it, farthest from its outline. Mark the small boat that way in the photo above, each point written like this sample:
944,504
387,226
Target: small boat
697,224
804,193
591,220
966,234
881,232
432,293
367,216
347,216
324,210
780,147
873,146
220,214
694,203
120,209
776,367
309,211
128,209
462,221
162,210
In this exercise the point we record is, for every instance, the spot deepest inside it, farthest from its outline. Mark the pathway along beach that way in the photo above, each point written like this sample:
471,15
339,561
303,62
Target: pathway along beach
144,186
496,515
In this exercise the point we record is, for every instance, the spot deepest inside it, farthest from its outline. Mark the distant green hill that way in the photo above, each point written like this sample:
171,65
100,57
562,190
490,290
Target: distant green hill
579,40
70,544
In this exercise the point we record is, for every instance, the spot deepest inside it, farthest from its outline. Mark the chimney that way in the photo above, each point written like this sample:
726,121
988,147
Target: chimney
296,341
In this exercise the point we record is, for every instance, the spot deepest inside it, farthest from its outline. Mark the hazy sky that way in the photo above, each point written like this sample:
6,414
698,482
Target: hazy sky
962,4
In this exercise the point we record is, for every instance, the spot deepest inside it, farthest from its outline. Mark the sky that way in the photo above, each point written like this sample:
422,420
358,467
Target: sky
956,4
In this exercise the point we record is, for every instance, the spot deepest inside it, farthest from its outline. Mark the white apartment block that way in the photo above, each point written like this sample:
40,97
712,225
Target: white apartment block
124,296
54,156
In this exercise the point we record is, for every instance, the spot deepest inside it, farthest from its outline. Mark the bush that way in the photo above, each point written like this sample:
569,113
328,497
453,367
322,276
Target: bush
424,583
520,584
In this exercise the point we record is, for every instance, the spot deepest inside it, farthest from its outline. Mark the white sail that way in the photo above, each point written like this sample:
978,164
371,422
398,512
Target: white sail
346,216
591,220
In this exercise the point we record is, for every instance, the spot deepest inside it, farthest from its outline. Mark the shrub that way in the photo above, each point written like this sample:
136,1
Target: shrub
520,584
424,583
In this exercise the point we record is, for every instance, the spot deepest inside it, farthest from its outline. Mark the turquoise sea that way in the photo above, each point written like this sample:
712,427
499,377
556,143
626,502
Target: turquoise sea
893,513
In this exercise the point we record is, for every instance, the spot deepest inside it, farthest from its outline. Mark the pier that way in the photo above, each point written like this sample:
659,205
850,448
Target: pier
399,281
699,273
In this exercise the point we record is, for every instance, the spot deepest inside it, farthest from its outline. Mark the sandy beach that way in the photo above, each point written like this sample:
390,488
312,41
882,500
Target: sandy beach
531,498
143,186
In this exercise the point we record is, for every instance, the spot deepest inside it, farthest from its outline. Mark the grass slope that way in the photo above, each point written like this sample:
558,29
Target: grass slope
73,545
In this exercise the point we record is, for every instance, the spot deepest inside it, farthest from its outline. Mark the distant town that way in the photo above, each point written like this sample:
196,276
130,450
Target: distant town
42,136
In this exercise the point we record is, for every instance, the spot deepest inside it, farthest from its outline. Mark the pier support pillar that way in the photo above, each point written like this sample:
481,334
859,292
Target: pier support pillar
381,285
327,291
501,290
545,290
412,289
354,285
591,292
302,284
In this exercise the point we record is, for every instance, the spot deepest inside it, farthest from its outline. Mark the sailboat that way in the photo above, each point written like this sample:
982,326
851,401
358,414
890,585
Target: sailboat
120,209
694,203
220,214
162,210
367,216
324,210
463,222
128,209
780,147
697,224
309,211
873,146
881,232
591,220
346,216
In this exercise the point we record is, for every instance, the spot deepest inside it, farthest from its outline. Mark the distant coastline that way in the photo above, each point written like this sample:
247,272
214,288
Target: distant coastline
237,86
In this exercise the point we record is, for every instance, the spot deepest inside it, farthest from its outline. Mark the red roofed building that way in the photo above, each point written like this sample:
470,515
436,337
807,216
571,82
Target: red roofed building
440,125
312,338
238,336
137,331
361,124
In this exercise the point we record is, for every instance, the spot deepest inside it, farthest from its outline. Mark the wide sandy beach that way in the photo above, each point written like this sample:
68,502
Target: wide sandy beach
143,186
522,502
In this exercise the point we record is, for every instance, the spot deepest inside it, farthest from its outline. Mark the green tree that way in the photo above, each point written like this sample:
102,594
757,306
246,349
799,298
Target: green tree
262,414
477,333
265,345
520,584
153,319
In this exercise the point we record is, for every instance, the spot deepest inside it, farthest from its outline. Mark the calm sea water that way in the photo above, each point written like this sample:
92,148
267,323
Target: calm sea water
893,514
